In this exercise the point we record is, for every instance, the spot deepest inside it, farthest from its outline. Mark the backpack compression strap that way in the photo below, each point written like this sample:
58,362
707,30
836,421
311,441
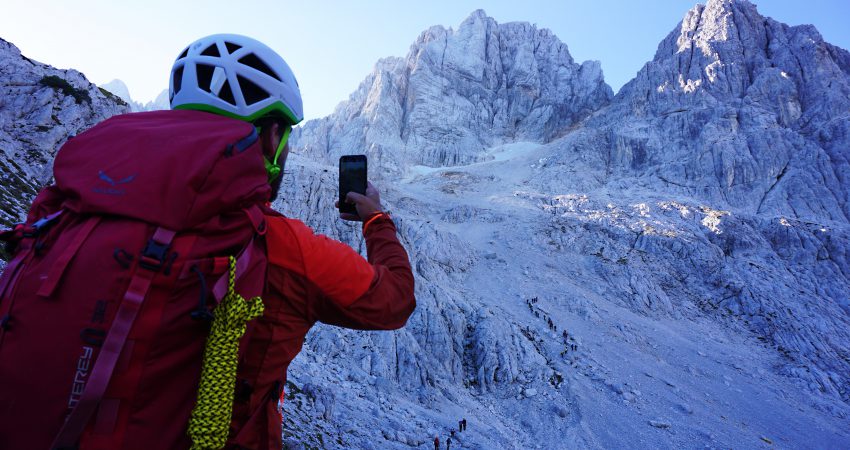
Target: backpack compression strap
149,266
61,263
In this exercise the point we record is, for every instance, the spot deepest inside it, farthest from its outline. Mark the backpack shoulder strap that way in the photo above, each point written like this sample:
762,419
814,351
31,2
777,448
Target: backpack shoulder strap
245,259
115,339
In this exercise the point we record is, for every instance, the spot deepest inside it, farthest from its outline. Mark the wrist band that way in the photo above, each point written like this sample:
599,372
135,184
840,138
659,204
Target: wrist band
372,219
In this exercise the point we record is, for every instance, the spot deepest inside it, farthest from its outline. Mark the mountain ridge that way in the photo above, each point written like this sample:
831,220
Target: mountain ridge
120,89
501,86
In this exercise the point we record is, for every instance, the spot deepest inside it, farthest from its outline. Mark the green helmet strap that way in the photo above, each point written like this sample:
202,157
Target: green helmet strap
272,167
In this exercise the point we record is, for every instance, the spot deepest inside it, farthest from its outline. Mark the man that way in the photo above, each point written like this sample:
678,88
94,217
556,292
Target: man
310,277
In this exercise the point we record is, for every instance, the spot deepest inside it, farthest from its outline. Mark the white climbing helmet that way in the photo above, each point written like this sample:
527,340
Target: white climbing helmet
235,76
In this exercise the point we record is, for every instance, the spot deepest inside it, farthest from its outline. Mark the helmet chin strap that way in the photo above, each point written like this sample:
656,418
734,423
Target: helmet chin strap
272,167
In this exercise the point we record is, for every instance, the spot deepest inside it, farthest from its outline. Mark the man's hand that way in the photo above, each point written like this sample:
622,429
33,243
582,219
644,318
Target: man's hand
366,204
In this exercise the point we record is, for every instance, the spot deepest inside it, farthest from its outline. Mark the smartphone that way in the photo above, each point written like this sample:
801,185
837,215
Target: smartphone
352,178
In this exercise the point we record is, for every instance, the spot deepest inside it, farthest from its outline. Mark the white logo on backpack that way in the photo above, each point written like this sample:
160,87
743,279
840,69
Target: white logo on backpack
80,377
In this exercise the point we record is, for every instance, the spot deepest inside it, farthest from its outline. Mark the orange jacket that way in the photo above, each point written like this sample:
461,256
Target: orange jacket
312,278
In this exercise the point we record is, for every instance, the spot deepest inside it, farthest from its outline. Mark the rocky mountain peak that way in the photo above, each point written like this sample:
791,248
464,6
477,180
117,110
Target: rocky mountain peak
725,72
711,41
120,89
713,22
458,93
723,47
479,15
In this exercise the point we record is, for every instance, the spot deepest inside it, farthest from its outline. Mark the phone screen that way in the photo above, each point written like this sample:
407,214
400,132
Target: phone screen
352,178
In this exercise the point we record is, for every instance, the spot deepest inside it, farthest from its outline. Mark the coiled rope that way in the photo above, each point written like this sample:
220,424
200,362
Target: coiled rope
210,421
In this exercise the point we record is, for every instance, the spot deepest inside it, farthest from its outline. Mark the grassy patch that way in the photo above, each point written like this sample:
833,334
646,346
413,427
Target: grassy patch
60,84
112,96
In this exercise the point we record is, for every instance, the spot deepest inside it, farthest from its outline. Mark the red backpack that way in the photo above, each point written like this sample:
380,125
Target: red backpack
105,306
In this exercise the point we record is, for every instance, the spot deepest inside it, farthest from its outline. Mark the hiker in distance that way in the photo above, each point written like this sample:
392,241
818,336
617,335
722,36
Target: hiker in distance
153,298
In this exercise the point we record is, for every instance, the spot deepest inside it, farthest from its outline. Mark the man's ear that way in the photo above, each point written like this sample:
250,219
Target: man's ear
268,139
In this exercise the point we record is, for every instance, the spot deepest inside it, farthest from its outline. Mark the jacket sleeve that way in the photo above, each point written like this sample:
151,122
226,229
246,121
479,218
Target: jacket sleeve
345,289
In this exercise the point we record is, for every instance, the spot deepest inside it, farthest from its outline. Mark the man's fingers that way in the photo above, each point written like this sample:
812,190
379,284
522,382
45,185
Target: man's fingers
354,197
365,205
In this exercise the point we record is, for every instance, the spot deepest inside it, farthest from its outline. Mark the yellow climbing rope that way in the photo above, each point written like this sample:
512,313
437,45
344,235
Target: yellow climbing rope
210,420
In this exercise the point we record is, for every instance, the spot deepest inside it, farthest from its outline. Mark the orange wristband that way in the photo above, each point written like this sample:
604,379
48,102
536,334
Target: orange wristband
372,219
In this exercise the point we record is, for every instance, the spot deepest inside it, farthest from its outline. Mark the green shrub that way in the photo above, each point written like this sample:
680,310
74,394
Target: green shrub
60,84
112,96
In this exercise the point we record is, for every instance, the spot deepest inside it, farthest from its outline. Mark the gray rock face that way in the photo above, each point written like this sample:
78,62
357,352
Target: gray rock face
749,116
458,93
37,115
710,192
735,108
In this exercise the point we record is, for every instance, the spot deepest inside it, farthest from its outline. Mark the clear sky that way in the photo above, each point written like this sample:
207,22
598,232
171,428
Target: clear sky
333,45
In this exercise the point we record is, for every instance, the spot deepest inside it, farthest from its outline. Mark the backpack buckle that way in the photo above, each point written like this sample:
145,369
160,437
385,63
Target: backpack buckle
154,255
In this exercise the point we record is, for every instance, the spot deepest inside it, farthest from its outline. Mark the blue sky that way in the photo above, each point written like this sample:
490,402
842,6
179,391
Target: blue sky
332,45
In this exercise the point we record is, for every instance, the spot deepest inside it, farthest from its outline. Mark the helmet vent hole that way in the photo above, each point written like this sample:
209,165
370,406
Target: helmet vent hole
251,60
205,74
183,55
251,92
226,93
212,50
231,47
178,79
